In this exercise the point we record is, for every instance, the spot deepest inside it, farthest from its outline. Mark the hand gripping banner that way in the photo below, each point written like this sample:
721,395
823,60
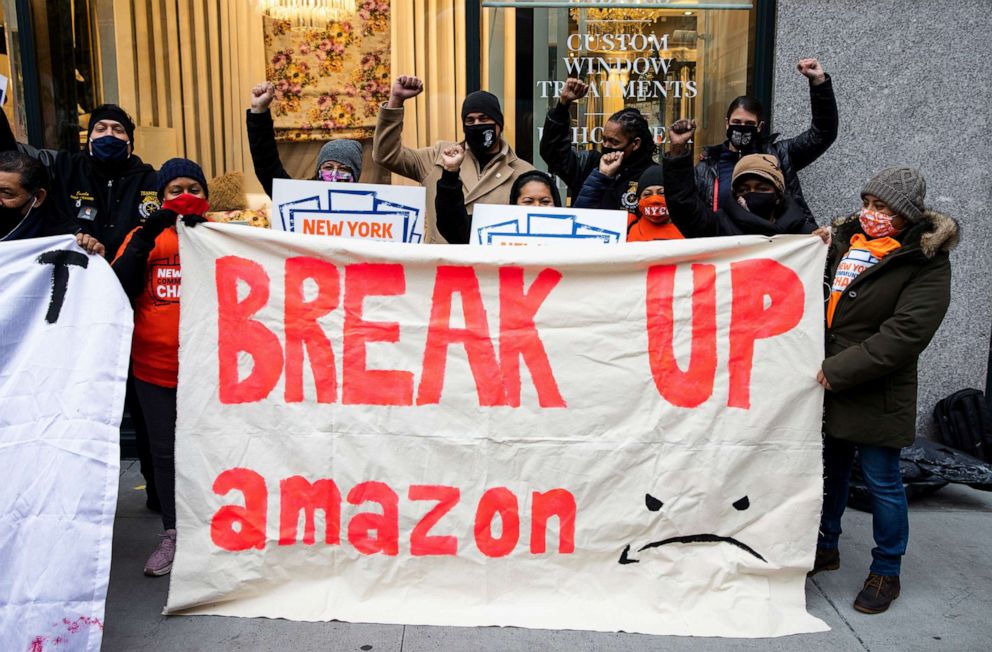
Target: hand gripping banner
605,438
65,340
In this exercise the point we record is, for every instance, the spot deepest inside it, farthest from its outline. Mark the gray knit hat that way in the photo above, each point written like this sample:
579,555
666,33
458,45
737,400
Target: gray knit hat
345,152
902,188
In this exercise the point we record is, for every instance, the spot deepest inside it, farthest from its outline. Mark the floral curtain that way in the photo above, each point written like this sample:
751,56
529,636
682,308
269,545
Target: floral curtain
329,81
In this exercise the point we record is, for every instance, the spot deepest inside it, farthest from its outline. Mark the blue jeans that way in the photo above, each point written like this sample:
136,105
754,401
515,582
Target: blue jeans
890,514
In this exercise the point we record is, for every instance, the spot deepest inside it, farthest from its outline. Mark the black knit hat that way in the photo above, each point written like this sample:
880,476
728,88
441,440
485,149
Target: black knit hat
111,112
180,167
483,102
902,188
652,176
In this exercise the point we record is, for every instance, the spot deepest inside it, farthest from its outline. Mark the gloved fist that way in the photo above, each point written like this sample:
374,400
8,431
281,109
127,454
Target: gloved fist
157,222
193,220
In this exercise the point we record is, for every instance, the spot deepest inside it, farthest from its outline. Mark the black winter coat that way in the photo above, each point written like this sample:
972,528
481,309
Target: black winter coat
695,218
793,153
264,151
573,166
107,203
883,321
41,222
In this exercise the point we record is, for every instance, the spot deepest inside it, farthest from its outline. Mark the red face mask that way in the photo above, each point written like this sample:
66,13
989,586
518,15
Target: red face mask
187,204
654,209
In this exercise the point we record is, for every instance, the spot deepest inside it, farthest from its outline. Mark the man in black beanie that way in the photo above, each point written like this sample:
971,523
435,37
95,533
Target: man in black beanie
106,189
486,164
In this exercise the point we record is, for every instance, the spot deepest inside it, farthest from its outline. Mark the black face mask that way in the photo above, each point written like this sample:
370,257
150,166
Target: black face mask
480,138
743,137
761,204
11,216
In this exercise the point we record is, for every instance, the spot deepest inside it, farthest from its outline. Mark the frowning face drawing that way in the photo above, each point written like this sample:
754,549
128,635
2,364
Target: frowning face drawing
700,538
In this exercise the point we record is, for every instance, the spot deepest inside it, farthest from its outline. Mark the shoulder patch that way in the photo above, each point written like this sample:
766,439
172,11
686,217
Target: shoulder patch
148,203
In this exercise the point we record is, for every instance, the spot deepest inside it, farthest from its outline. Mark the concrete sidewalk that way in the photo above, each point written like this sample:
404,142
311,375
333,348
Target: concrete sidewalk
946,601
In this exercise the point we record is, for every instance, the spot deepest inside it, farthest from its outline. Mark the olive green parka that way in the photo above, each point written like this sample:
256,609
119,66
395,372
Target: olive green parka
882,322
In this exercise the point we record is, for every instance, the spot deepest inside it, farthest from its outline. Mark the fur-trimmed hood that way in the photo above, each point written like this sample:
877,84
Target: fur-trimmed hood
936,232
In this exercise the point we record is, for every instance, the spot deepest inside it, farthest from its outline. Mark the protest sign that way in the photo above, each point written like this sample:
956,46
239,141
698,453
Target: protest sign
605,438
66,328
349,210
494,224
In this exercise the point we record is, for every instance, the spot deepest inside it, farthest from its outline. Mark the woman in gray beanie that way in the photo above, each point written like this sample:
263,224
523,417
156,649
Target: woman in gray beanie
889,272
339,160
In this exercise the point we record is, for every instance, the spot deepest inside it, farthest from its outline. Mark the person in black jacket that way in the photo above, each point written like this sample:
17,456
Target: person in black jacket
745,127
338,160
106,189
24,211
626,131
761,205
533,188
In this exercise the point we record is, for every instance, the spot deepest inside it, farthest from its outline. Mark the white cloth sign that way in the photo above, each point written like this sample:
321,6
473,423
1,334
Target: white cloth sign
65,327
350,210
494,224
605,438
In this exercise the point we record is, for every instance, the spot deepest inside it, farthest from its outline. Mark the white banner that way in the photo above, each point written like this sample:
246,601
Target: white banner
605,438
350,210
66,339
494,224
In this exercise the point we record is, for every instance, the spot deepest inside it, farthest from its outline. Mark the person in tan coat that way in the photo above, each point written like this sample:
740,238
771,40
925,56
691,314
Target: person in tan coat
488,169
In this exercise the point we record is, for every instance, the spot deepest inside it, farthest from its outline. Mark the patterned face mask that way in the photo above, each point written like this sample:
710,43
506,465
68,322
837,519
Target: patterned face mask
877,225
336,175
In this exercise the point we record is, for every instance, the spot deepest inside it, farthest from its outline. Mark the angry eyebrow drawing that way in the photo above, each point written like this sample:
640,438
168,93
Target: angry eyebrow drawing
653,504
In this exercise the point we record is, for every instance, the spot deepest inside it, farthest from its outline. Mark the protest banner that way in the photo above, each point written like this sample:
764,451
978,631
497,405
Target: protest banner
66,340
494,224
349,210
604,438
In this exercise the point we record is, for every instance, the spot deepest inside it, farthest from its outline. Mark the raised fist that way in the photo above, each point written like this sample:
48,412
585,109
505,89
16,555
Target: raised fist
261,96
679,135
609,164
405,87
451,157
575,89
811,69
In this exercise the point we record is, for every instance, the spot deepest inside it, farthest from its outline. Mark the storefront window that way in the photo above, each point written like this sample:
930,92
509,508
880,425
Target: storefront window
670,60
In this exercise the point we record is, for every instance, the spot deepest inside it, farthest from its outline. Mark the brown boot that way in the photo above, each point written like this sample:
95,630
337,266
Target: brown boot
878,593
827,559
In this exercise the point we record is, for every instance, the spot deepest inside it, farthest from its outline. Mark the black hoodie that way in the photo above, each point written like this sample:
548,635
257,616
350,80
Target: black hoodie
696,219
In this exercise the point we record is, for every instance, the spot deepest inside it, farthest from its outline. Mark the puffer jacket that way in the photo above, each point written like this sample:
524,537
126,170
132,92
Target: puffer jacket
793,154
574,166
882,322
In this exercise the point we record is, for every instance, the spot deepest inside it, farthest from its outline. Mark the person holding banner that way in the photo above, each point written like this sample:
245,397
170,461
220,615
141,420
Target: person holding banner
488,168
24,213
890,274
650,219
534,188
626,132
106,189
761,204
149,270
745,135
338,160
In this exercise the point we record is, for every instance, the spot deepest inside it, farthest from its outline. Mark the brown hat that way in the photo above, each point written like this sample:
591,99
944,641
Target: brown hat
761,165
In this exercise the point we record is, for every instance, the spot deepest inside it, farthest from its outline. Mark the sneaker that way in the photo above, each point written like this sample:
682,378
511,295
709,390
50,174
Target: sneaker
827,559
160,563
878,593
